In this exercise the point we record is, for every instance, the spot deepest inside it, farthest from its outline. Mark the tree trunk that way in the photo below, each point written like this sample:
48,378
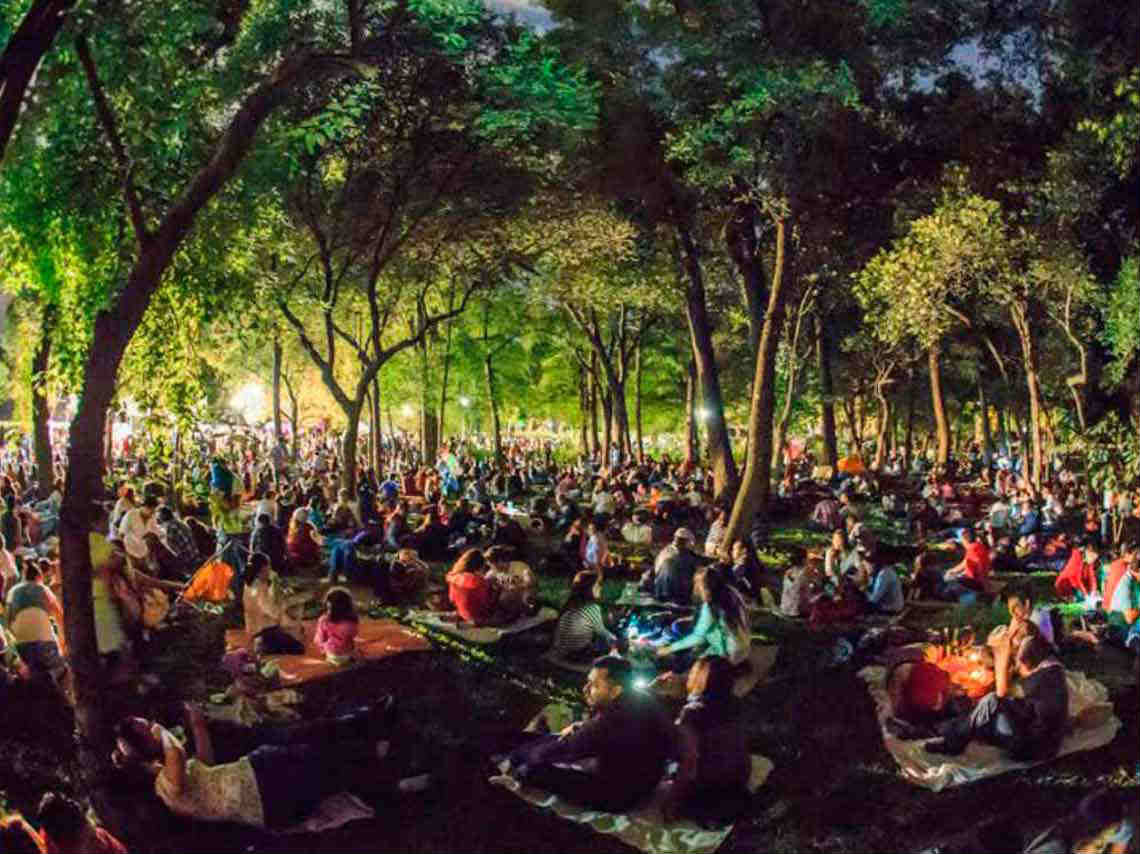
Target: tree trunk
826,391
276,387
41,410
1029,356
592,379
938,403
496,427
742,243
28,45
987,436
584,407
752,499
691,440
443,383
708,376
637,404
881,438
348,446
607,426
377,431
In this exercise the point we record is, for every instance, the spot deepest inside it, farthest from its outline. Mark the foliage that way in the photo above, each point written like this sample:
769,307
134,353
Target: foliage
1122,327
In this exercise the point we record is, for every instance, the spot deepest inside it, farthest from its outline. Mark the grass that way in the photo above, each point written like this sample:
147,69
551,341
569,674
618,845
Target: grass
834,788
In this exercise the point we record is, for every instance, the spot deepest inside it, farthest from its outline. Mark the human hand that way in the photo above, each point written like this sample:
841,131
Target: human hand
664,651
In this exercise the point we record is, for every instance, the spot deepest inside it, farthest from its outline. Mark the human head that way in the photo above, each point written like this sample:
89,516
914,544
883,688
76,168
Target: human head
585,586
165,514
62,819
1092,550
258,563
839,539
927,689
32,571
18,837
739,551
498,556
1019,601
683,538
610,676
263,520
300,517
339,606
149,505
135,743
712,677
968,535
1033,650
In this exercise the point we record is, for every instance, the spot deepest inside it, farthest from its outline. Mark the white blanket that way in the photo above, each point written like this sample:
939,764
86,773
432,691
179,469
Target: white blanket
643,828
1091,720
481,634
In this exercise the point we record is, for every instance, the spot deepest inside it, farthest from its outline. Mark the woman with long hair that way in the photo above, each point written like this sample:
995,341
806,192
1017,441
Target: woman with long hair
303,543
722,623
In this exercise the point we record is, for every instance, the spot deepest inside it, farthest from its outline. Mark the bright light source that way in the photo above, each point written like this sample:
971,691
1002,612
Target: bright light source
465,401
407,411
249,400
641,683
703,414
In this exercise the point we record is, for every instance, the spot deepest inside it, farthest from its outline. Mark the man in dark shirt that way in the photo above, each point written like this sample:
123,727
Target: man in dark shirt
1030,727
268,539
674,570
628,735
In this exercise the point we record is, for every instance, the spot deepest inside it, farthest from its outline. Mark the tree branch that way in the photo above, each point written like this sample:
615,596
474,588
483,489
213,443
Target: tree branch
107,119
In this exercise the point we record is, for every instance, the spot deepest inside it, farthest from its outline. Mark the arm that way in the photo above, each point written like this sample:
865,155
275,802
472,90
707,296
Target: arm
578,742
593,615
173,759
695,637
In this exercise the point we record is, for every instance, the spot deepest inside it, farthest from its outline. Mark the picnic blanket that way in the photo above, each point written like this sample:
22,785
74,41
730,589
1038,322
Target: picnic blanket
375,639
1091,719
632,596
480,634
333,812
645,827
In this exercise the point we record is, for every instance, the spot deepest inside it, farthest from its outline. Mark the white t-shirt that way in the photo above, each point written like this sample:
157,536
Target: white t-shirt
132,528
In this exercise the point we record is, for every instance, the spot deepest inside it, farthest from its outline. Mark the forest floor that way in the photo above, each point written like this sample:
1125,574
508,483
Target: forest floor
835,788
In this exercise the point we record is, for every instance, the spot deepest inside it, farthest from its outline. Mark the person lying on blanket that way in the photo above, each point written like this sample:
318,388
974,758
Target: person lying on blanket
274,786
627,733
920,692
1027,728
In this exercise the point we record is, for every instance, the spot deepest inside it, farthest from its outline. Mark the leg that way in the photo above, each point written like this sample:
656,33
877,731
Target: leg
581,788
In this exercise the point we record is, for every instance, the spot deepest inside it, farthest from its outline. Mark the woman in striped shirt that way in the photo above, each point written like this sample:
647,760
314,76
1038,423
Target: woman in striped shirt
581,630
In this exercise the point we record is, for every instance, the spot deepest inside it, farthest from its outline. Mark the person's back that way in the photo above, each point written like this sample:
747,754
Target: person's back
1046,693
673,575
29,605
723,761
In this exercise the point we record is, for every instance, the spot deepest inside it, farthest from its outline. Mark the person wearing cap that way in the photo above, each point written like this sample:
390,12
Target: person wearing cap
675,568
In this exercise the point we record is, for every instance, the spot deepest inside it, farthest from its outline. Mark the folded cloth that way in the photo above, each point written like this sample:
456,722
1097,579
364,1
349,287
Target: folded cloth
643,828
1092,724
481,634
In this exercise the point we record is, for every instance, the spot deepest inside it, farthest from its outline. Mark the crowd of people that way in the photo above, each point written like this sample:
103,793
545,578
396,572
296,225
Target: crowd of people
289,523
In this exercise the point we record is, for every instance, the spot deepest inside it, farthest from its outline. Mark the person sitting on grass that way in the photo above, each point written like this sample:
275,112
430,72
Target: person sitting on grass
303,544
671,579
638,530
1028,727
474,596
343,518
1122,599
920,693
268,539
32,609
711,785
66,829
337,627
884,593
274,786
581,629
964,580
430,539
516,582
627,734
1080,577
595,547
271,629
722,626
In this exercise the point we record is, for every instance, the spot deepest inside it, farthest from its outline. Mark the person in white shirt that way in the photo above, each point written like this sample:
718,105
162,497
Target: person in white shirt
135,524
267,505
603,503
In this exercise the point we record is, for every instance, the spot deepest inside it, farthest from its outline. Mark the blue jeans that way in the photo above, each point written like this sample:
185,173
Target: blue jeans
343,561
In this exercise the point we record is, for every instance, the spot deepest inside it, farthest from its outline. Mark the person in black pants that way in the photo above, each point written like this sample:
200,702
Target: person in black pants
1030,727
628,734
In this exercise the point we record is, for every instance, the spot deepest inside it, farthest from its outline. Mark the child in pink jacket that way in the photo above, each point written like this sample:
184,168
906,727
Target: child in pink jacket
337,627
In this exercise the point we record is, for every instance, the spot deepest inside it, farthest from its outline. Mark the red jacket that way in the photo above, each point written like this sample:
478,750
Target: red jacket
1076,576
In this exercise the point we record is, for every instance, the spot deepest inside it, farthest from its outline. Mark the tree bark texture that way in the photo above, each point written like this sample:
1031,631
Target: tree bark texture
938,404
752,498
